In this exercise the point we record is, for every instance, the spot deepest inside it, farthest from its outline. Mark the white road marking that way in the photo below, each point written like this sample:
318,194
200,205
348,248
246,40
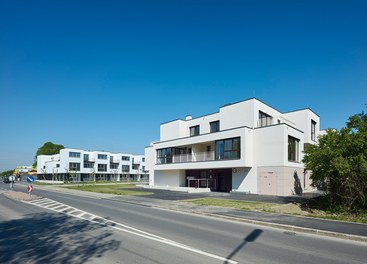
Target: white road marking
121,227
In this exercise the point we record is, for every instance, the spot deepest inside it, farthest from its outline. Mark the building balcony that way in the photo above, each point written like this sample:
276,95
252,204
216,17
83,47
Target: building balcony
89,159
195,157
114,160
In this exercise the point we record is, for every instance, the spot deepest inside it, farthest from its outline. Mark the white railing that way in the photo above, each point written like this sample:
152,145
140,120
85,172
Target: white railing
195,157
202,183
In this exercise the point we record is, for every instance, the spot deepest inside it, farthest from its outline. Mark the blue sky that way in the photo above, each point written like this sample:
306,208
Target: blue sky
102,75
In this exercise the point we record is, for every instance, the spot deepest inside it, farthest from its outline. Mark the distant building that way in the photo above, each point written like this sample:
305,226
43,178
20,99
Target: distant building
247,146
82,165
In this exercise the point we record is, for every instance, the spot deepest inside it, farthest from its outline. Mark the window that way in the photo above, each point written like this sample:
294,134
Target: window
73,166
313,130
102,156
125,168
86,156
57,165
214,126
194,131
164,156
143,168
74,154
135,167
293,149
264,119
228,149
126,158
102,167
143,159
114,166
88,164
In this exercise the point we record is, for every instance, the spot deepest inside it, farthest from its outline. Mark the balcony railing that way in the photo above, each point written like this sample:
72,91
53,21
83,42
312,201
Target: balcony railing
198,156
114,160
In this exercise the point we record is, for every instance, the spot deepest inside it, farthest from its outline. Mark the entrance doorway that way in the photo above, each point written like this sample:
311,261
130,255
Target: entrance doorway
268,183
218,180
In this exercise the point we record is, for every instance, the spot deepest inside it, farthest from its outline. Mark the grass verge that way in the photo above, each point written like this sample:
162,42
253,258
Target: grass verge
117,189
291,209
243,205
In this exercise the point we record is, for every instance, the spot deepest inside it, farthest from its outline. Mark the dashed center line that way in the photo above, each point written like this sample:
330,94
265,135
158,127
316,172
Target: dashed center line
77,213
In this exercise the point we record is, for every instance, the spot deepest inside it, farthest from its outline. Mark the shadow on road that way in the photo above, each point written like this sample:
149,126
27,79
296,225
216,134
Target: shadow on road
250,238
53,238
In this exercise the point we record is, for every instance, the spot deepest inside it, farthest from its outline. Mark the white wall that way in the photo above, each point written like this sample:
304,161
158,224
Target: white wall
244,180
168,178
302,119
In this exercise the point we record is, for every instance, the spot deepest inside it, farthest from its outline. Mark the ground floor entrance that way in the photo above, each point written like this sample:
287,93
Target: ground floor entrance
219,180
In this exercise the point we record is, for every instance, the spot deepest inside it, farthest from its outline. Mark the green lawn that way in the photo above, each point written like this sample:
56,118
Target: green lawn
243,205
118,189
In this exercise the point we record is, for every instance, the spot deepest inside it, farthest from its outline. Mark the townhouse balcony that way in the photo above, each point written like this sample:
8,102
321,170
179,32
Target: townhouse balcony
114,160
89,159
136,162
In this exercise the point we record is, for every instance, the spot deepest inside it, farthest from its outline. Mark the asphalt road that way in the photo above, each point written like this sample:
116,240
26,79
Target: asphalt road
149,235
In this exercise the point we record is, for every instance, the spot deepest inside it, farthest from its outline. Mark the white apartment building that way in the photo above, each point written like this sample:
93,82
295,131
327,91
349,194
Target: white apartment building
82,165
247,146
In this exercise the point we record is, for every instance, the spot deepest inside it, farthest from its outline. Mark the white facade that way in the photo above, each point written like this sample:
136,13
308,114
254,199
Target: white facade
245,147
84,165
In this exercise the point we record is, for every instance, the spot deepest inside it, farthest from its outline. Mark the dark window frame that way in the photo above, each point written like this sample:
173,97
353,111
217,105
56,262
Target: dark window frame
264,119
228,149
164,156
313,130
293,149
195,131
214,126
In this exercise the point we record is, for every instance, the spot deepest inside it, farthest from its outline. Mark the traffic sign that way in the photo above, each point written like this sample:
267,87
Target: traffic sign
30,179
12,178
30,188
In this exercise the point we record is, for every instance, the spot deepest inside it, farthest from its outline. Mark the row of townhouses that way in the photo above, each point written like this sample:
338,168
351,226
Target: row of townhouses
82,165
247,146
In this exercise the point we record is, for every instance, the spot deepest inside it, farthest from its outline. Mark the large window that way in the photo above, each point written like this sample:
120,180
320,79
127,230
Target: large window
214,126
125,158
264,119
74,166
194,131
125,168
313,130
228,149
135,167
88,164
164,156
102,156
74,154
102,167
293,149
113,166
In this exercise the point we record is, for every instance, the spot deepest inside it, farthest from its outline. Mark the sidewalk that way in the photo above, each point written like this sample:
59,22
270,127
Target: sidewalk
346,230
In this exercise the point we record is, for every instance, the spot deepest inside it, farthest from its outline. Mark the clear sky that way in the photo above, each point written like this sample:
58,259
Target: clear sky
102,75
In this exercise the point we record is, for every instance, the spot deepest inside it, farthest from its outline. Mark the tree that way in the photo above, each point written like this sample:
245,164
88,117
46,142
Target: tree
48,148
7,173
340,161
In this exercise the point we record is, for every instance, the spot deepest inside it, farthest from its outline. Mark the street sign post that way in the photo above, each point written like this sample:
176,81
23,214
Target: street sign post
30,179
30,189
11,179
